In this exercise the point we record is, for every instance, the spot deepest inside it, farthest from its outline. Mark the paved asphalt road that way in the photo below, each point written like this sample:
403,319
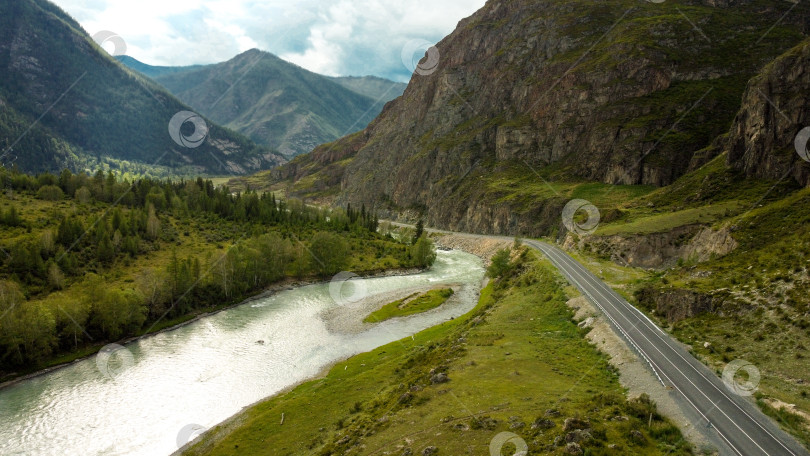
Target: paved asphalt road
745,430
735,420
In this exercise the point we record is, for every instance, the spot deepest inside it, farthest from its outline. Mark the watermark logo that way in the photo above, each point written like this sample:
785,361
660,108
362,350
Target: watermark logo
347,288
8,159
498,442
570,221
734,381
106,36
189,433
188,129
420,57
655,1
112,360
800,143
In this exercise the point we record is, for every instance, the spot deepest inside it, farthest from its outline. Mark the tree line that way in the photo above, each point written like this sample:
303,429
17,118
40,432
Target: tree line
53,294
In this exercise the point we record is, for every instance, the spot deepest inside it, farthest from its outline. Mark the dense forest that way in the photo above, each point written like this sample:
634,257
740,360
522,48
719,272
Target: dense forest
86,259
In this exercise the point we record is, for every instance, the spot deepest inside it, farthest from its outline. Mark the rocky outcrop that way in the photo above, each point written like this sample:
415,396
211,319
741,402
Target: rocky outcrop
765,139
676,304
593,90
692,243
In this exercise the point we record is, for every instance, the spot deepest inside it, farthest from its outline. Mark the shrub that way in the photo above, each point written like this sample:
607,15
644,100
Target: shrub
500,265
50,193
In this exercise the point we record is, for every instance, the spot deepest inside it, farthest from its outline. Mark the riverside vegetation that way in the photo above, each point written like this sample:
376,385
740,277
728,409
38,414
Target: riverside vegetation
413,304
517,362
90,259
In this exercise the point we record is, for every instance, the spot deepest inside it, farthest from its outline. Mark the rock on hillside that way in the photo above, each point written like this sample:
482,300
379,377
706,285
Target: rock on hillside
765,139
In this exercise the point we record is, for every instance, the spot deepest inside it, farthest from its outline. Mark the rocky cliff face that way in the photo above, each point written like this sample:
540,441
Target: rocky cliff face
676,304
619,92
692,243
766,138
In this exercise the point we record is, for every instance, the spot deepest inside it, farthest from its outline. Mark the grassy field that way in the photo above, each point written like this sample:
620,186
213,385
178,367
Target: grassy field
413,304
516,363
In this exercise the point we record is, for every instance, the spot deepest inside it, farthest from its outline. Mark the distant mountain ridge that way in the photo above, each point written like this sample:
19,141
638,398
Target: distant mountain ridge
374,87
274,102
153,71
66,103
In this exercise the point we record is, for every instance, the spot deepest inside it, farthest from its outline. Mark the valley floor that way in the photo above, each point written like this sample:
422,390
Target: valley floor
517,368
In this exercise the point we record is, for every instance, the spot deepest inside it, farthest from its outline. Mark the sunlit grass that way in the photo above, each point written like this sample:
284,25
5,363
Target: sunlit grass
666,221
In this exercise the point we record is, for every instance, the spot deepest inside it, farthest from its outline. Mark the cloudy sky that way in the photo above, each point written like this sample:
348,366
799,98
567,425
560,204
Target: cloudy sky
333,37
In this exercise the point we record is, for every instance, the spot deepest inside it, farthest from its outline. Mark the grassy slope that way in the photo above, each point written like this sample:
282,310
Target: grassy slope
515,356
410,305
760,288
521,187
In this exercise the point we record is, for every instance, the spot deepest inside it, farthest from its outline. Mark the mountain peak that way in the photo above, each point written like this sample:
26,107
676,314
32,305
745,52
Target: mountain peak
277,103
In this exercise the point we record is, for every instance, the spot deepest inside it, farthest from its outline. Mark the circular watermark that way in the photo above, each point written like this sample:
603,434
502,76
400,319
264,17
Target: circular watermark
497,443
737,385
112,360
420,57
7,160
569,217
189,433
800,143
347,288
106,36
188,129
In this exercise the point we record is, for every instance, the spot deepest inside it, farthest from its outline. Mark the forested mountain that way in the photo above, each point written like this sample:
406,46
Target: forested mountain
277,103
67,103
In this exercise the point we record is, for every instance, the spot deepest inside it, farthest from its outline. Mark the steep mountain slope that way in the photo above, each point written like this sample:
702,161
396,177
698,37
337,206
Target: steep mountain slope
532,98
277,103
152,71
66,103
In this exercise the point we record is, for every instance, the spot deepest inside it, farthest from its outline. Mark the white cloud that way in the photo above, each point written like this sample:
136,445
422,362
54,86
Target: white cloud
335,37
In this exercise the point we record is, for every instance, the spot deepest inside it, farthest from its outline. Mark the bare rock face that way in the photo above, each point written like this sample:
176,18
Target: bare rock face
775,110
596,91
660,250
676,304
